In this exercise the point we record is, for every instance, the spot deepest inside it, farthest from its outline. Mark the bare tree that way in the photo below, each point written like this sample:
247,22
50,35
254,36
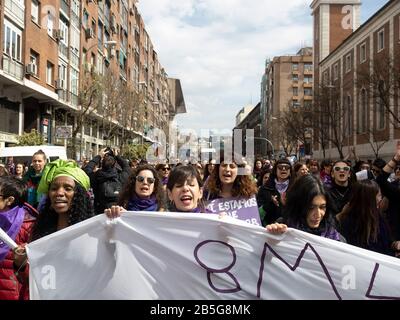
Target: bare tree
332,120
376,141
88,102
383,82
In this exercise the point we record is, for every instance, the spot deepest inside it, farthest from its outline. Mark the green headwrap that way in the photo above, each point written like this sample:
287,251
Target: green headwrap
60,167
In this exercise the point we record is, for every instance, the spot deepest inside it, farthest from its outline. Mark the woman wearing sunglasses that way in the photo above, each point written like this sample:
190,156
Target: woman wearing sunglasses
142,192
163,173
271,197
340,190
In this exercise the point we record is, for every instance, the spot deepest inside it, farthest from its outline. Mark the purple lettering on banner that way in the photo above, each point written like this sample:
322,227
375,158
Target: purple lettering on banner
294,267
245,209
222,270
371,284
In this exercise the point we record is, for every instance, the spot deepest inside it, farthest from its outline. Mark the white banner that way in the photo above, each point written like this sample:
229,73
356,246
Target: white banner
147,255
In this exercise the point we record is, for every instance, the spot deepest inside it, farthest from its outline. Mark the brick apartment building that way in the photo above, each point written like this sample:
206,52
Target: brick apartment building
287,84
48,47
343,51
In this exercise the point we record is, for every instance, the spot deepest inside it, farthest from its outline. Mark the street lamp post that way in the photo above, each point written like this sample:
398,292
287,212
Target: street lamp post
273,152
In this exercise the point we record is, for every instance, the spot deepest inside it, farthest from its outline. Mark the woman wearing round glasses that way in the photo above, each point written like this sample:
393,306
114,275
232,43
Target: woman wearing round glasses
271,197
340,189
142,192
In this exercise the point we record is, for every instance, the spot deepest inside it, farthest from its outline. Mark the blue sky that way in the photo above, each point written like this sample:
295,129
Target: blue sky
217,48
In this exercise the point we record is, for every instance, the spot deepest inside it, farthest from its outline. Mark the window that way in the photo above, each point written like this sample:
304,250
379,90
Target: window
49,73
336,71
381,40
63,25
308,67
296,104
363,111
308,92
295,77
380,108
295,66
62,74
12,41
74,78
363,53
308,79
348,119
9,117
348,63
85,19
295,91
35,11
34,59
50,24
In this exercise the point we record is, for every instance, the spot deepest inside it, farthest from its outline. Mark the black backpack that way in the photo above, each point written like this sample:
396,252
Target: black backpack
108,193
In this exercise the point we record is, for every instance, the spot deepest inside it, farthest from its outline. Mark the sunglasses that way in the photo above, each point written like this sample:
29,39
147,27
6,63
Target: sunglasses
148,179
166,169
342,168
283,167
231,165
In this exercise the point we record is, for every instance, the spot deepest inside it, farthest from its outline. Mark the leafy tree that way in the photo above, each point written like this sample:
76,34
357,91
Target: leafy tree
32,138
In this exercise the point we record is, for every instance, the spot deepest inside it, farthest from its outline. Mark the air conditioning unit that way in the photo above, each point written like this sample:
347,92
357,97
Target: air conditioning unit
31,69
89,33
58,34
59,84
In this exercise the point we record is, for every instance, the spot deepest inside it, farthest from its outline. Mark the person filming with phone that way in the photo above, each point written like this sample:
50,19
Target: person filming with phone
107,182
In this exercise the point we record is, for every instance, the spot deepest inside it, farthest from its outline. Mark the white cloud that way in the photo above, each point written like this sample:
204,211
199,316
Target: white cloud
217,48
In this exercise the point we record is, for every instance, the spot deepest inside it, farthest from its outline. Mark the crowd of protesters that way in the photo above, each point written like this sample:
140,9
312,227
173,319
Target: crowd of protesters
356,203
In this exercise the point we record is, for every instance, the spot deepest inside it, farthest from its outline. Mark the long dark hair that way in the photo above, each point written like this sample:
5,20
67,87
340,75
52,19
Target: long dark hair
299,199
128,190
81,209
362,211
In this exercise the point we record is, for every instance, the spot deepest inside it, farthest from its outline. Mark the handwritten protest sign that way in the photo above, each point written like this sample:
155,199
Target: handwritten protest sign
153,255
245,209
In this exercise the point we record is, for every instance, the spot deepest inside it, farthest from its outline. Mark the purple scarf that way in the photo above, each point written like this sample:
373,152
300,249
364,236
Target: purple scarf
139,204
11,222
164,181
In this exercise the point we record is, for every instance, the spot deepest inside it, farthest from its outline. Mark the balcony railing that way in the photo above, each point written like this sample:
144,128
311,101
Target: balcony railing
65,7
14,8
13,68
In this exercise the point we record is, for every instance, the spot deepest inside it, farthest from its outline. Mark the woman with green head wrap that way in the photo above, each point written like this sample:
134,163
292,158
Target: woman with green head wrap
67,202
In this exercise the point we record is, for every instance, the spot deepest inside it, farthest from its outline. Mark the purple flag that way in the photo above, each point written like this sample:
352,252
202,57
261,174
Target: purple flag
11,222
245,209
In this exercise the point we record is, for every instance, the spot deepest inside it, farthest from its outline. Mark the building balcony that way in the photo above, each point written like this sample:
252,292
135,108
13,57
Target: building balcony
308,98
14,10
307,85
13,68
308,71
295,83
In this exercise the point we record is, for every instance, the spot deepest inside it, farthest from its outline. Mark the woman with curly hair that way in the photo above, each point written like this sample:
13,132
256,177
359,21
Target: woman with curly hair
142,192
308,208
68,201
225,182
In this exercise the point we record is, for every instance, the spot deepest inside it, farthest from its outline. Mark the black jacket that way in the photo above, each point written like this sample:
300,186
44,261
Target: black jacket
264,200
340,196
101,178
